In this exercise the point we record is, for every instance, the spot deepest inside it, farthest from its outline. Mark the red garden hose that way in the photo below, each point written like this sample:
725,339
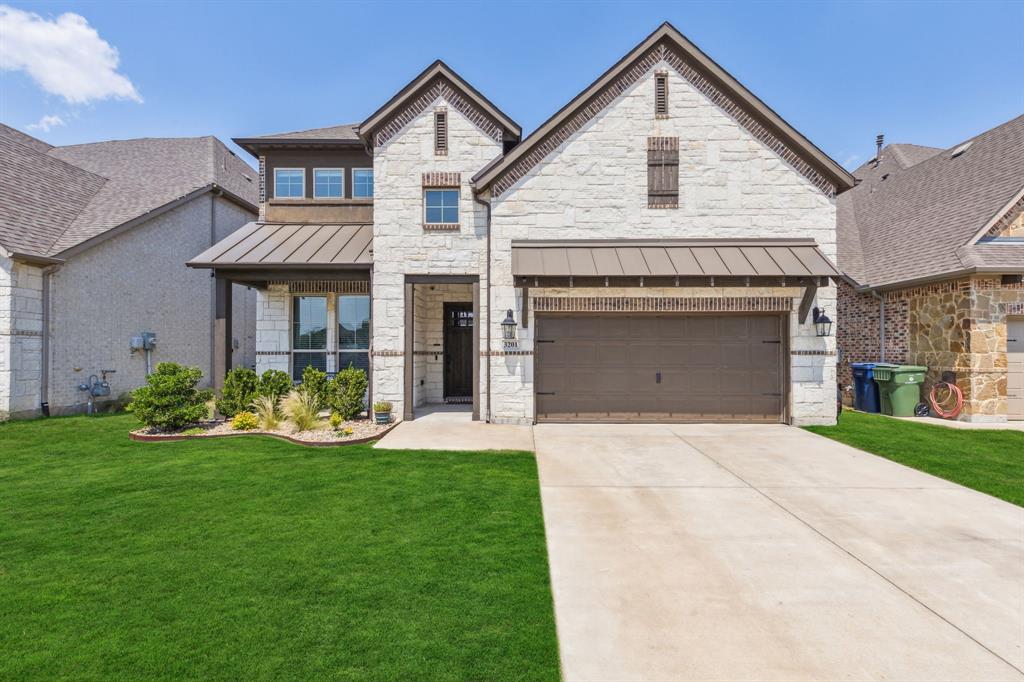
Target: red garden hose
952,392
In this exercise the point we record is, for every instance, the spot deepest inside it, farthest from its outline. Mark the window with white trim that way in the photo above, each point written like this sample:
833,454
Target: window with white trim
309,334
289,183
328,183
362,183
441,206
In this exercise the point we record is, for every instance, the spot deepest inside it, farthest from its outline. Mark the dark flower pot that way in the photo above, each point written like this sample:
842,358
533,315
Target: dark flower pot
382,417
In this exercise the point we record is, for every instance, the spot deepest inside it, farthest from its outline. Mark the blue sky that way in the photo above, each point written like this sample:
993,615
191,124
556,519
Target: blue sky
927,73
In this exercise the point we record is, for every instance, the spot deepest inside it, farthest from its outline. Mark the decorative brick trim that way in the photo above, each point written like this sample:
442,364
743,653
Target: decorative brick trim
388,353
812,352
642,304
22,332
640,67
439,351
263,189
273,352
440,87
500,353
441,227
1015,308
1007,218
442,179
326,286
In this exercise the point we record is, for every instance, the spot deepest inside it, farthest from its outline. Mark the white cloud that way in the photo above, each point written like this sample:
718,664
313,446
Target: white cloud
46,123
850,161
65,56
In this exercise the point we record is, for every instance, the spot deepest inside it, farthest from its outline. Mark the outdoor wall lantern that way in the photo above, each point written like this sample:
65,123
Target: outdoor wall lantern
822,323
508,329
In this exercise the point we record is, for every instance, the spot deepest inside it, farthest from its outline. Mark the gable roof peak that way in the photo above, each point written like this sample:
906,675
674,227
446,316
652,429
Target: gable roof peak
410,101
668,43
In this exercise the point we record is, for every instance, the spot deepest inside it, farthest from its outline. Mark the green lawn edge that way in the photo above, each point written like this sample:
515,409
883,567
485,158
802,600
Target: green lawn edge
990,461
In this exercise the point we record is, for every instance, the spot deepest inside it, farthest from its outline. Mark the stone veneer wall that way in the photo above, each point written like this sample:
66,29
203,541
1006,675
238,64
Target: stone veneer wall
21,338
595,187
402,246
954,326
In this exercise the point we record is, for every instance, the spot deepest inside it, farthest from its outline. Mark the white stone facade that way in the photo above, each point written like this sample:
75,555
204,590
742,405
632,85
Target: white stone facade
133,282
593,187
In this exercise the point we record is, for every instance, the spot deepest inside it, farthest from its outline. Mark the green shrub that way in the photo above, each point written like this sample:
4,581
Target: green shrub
336,420
275,384
170,400
301,410
346,392
244,421
266,409
382,406
238,392
314,383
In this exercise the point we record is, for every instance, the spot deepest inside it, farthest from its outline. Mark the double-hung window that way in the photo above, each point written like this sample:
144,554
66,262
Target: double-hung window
309,334
441,206
328,183
354,331
289,183
362,183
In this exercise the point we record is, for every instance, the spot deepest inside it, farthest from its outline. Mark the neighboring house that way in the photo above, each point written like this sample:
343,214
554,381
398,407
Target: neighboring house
93,244
932,245
650,253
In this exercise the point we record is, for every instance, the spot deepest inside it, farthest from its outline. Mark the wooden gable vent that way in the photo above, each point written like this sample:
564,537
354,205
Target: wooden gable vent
661,95
663,172
440,132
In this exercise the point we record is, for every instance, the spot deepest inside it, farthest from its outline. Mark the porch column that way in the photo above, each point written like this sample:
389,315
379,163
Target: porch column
410,339
476,350
222,340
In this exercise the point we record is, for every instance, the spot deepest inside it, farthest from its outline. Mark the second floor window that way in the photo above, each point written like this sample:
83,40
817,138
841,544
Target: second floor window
362,183
441,206
328,183
289,183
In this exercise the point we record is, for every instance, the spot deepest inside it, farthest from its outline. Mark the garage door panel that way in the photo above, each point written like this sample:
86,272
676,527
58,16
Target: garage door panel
607,367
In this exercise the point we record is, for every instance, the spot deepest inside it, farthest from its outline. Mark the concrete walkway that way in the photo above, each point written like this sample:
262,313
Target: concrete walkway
451,427
769,553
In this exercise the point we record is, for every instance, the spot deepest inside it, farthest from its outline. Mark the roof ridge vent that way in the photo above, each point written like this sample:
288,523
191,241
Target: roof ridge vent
961,149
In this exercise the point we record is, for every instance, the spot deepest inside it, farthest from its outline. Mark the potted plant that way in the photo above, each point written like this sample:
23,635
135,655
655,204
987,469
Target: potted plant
382,411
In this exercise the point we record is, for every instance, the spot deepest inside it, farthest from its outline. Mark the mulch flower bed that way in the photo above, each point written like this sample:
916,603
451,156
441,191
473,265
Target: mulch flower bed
363,431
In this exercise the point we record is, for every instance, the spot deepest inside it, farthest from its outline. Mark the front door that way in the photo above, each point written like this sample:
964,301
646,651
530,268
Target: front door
458,352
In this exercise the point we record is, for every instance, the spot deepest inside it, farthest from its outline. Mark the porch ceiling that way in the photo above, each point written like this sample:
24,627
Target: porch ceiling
671,258
297,245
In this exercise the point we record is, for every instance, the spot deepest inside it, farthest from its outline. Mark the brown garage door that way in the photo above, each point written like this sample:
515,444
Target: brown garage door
659,368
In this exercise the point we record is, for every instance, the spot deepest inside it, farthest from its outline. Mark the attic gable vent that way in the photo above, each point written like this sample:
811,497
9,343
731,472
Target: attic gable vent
661,95
961,149
440,132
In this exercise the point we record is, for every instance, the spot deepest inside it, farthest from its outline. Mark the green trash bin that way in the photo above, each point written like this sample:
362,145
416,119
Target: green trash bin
899,388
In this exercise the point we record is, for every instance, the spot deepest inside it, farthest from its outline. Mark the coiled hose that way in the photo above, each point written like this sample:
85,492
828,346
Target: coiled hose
953,396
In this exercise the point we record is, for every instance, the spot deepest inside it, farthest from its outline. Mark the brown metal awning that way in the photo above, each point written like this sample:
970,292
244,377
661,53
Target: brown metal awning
290,245
671,258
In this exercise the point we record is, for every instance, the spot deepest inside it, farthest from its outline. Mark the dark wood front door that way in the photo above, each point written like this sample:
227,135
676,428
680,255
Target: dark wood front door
458,351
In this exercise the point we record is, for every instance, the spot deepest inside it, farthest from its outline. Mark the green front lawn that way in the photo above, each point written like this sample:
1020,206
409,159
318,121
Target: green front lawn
986,460
254,558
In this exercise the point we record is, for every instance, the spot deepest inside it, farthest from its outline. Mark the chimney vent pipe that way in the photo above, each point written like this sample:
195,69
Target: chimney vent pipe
879,141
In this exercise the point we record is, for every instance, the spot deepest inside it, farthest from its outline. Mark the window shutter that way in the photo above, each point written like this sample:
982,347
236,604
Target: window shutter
661,95
663,172
440,132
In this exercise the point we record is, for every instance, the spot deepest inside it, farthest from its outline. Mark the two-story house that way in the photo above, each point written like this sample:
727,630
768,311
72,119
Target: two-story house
652,252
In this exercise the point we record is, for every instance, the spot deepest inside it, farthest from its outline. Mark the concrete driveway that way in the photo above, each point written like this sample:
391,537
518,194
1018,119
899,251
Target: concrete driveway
765,552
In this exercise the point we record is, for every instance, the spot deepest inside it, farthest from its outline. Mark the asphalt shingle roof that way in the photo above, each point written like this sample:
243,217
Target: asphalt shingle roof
915,214
54,198
345,131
